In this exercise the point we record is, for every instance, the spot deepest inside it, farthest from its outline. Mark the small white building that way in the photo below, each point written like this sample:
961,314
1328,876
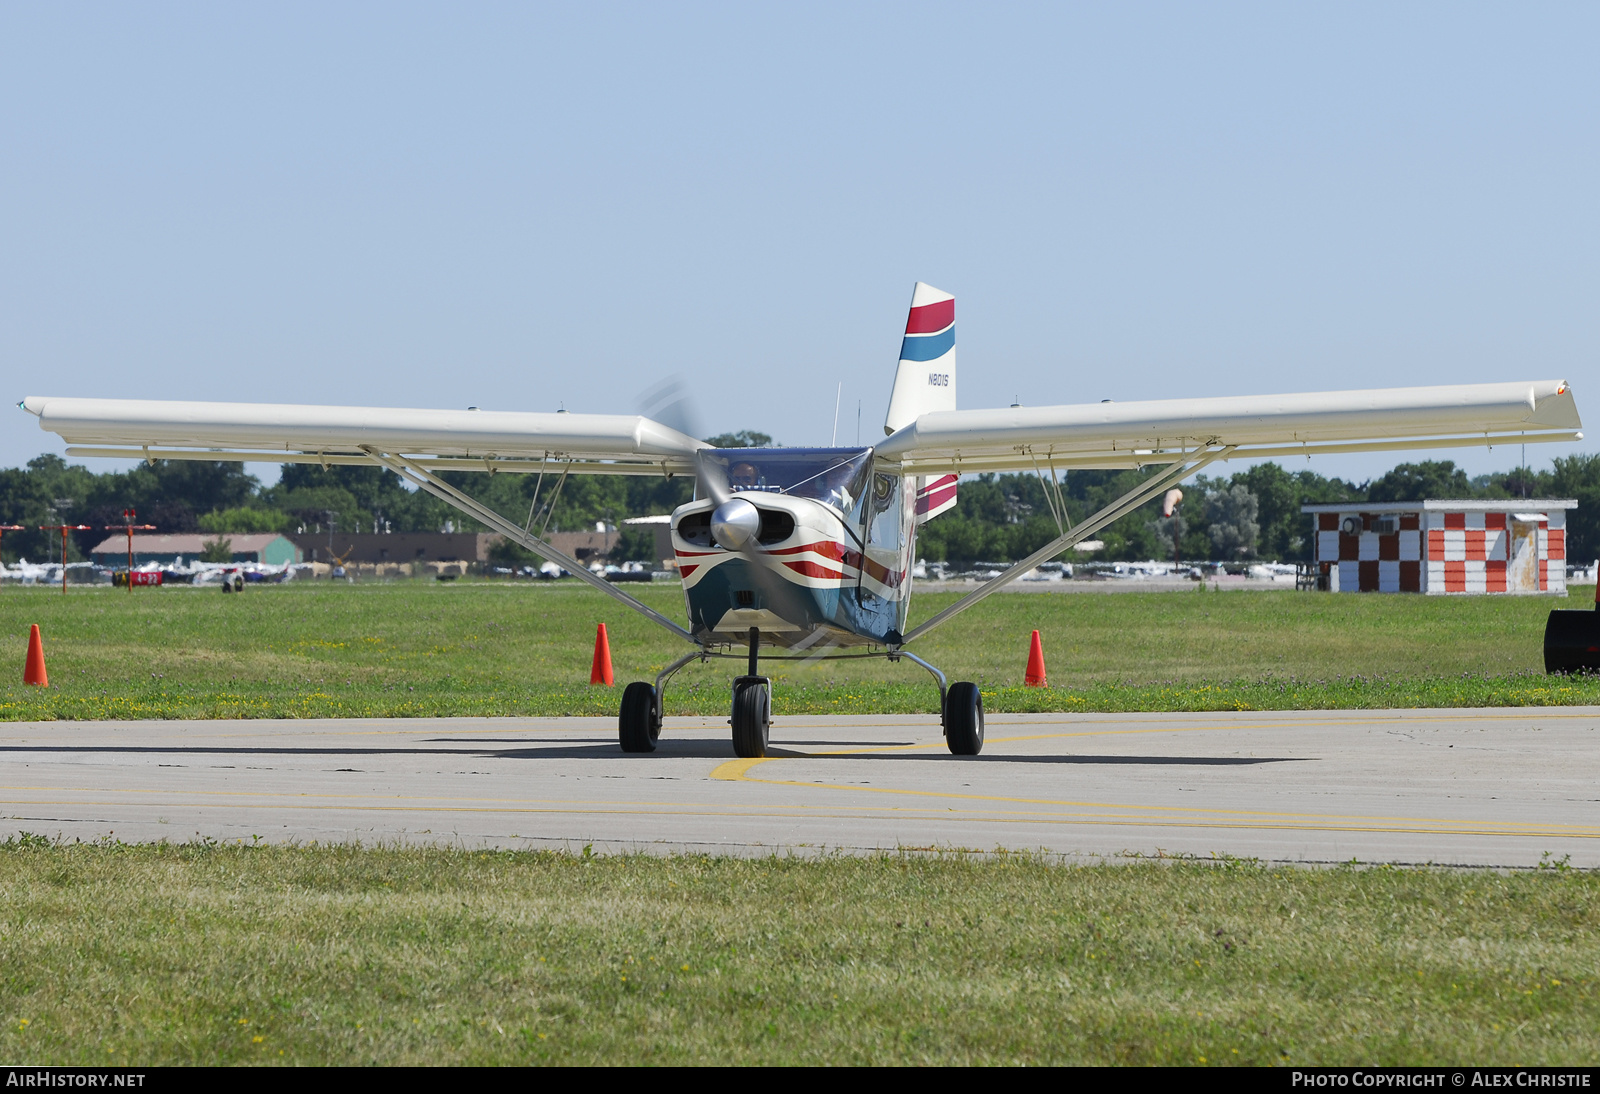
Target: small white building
1500,546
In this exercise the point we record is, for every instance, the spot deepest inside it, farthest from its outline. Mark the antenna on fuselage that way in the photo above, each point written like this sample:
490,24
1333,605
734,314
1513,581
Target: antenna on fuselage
834,443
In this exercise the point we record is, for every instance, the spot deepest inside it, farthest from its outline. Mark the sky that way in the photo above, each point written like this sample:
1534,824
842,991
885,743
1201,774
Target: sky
530,207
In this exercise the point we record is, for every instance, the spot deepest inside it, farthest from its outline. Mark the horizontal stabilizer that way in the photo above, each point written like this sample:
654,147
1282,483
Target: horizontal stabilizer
935,494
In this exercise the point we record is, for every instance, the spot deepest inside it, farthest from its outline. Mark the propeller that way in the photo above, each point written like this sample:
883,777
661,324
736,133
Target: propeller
712,475
736,524
670,402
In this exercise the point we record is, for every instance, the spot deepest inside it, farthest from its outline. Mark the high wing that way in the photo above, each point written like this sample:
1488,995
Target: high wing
438,440
414,444
1133,434
1183,436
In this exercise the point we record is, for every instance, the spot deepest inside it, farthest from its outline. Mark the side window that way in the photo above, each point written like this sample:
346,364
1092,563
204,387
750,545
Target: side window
883,523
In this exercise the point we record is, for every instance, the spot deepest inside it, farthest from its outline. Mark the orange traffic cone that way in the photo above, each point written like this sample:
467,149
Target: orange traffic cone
1035,675
33,672
600,671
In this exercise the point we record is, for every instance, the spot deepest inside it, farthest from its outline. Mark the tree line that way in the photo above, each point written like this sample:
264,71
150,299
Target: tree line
1251,514
219,498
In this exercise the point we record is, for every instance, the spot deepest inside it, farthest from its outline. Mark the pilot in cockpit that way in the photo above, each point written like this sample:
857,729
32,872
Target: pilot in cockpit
744,475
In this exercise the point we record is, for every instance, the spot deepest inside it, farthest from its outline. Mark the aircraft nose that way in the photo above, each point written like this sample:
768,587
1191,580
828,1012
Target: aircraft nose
735,524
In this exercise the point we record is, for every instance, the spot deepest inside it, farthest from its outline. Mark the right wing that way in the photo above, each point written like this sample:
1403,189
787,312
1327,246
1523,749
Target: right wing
465,440
1118,435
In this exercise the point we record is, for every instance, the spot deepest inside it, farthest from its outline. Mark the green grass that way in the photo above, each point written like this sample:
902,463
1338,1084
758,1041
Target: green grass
419,649
337,955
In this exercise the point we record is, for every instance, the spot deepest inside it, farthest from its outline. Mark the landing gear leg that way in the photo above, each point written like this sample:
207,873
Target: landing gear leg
944,690
960,709
639,723
752,708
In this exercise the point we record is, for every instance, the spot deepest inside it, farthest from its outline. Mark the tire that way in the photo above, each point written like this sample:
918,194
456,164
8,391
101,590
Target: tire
963,719
637,727
752,715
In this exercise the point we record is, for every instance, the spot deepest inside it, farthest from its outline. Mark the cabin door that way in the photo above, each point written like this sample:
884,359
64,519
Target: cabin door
1522,569
890,527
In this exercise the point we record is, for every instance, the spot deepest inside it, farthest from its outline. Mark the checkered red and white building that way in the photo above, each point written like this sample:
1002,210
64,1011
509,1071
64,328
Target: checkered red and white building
1501,546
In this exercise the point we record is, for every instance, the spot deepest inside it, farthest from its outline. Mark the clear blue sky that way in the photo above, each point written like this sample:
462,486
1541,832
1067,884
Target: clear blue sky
522,206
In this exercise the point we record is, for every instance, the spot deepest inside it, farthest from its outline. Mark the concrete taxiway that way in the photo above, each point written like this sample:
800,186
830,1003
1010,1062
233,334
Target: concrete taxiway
1464,787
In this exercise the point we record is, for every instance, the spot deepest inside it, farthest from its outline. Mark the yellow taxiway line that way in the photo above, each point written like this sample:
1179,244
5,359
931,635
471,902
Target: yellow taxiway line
1170,816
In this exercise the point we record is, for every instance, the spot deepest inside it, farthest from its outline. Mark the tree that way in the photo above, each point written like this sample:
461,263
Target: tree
745,438
1420,481
1231,521
996,518
216,550
246,521
356,496
1167,530
1578,477
1285,532
636,543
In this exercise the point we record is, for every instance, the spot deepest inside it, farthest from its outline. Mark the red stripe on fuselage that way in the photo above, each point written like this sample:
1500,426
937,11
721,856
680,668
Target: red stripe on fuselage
811,569
876,570
826,548
832,551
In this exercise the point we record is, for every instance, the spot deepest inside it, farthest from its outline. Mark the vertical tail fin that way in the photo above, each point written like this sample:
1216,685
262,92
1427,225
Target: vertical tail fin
926,378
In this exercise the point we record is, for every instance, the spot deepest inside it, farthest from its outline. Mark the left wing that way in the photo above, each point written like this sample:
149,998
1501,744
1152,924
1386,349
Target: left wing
439,440
1119,435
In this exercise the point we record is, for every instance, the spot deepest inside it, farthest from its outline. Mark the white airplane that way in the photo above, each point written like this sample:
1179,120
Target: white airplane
808,551
32,573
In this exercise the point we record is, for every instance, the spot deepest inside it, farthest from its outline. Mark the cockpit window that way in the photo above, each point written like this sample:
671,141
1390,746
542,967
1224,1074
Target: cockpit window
835,476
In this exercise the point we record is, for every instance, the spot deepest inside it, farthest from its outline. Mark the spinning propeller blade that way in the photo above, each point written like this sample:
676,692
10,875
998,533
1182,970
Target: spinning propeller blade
736,524
712,474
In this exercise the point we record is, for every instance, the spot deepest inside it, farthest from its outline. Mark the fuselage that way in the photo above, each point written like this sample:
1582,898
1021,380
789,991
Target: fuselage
830,565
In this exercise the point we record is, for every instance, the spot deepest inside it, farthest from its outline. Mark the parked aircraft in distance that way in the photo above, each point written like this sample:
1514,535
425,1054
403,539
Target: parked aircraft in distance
808,551
32,573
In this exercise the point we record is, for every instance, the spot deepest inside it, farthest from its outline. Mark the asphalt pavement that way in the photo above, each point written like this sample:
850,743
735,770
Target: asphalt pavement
1501,788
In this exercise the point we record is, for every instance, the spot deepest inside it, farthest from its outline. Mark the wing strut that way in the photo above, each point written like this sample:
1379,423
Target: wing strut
427,480
1172,474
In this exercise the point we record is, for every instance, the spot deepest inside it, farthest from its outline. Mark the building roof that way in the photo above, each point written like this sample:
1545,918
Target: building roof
397,546
187,543
1471,505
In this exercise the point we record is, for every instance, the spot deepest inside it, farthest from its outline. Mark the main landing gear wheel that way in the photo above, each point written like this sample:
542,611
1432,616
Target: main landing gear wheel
752,715
963,719
637,725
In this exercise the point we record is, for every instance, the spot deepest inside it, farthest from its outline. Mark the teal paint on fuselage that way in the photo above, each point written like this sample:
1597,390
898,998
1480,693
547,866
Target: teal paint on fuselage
864,619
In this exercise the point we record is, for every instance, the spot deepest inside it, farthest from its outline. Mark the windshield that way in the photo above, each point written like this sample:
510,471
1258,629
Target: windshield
835,476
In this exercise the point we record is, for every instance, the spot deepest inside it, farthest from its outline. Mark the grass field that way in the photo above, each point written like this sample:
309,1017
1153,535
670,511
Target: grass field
334,955
207,954
419,649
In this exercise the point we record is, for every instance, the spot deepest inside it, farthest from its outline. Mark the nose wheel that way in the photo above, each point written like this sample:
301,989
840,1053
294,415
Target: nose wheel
752,708
752,715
